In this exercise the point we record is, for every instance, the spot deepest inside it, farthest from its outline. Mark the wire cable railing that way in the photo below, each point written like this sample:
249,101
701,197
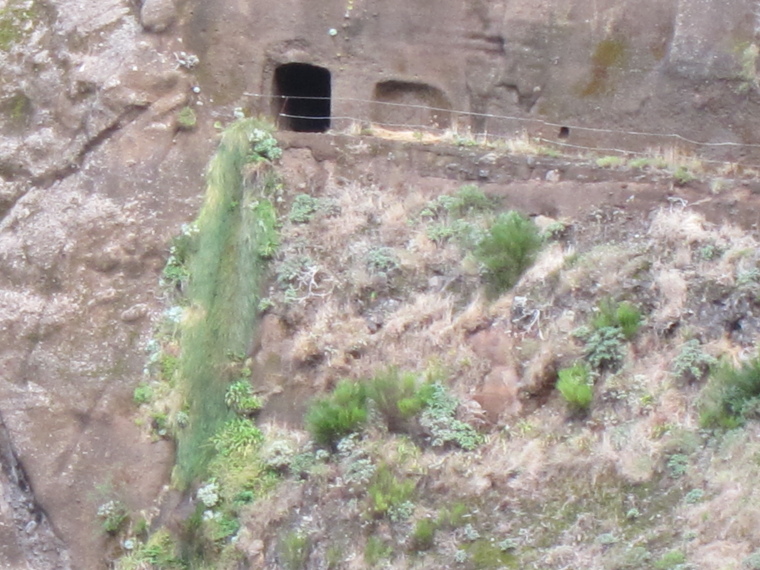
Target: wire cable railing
457,130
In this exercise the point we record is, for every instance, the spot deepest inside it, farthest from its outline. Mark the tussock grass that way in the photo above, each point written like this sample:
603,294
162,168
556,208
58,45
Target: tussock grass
226,275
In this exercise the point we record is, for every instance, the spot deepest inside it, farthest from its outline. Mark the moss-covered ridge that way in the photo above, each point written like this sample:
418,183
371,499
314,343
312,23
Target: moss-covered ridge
235,235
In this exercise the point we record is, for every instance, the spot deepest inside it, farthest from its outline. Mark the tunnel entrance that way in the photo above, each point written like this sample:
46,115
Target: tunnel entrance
302,97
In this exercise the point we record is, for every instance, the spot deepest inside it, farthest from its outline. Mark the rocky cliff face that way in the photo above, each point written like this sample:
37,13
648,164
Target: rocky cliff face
96,173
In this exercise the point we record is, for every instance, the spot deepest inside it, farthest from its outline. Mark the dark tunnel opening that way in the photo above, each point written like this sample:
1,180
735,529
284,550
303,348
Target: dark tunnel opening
302,97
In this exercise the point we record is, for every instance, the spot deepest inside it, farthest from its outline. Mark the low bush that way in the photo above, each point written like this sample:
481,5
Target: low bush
423,535
332,417
387,493
241,399
671,560
375,551
732,396
294,550
237,436
439,419
143,394
624,316
509,247
398,397
575,387
303,209
113,515
604,349
692,363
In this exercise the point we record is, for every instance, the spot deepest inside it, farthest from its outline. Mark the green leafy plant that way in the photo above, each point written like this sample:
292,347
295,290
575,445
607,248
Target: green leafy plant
624,316
609,161
576,388
375,551
294,550
694,496
509,247
604,348
732,396
682,176
692,363
670,560
386,493
398,397
113,515
263,146
241,399
677,464
439,419
339,414
186,118
382,260
183,245
238,436
160,551
423,535
303,209
143,393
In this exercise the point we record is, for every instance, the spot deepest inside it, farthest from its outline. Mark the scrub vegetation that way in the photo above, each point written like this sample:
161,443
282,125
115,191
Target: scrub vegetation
366,377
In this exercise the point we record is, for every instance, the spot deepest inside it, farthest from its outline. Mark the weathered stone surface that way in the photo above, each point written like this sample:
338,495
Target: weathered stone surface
625,66
157,15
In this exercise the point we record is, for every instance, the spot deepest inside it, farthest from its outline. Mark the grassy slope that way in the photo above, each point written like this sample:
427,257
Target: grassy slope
224,291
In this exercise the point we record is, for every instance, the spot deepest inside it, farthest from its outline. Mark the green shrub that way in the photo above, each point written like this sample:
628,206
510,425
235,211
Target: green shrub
339,414
375,551
387,493
398,397
485,555
382,260
423,535
732,396
263,145
509,247
439,419
160,551
303,209
186,118
237,436
468,199
294,550
640,162
143,393
692,363
670,560
678,463
604,349
609,161
575,387
624,316
682,176
241,399
453,516
113,515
